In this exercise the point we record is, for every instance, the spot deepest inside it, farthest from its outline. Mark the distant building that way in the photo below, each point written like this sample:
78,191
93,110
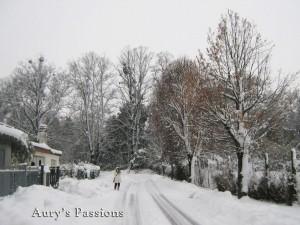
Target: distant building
14,148
43,154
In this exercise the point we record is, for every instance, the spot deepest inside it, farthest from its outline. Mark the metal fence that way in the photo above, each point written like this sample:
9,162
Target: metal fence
10,180
54,176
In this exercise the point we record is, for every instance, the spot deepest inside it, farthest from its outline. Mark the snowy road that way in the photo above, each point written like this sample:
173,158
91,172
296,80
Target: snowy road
137,198
144,199
174,214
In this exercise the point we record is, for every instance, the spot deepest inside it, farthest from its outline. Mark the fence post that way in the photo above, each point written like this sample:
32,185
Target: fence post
292,193
42,174
267,174
57,175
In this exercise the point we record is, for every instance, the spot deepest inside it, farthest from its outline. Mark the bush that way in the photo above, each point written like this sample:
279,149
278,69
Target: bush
80,170
156,167
225,182
278,192
181,172
259,189
263,188
274,189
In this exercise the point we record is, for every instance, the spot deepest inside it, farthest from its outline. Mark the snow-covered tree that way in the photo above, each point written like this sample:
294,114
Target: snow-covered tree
240,95
179,100
33,95
134,71
92,94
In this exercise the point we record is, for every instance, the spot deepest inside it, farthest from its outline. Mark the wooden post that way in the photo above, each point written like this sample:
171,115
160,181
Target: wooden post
293,161
57,176
172,171
267,174
42,174
292,193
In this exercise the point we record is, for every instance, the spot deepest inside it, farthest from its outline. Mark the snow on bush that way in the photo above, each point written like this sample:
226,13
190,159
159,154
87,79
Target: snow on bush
275,188
80,170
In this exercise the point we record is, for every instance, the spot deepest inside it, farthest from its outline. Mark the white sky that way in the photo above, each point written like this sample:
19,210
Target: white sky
63,30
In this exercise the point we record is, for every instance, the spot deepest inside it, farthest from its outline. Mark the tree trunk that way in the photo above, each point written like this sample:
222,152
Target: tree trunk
172,171
292,181
163,170
193,168
245,172
240,175
190,158
267,174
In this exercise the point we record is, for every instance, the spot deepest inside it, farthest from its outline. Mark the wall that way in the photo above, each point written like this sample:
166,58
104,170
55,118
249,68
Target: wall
6,149
48,158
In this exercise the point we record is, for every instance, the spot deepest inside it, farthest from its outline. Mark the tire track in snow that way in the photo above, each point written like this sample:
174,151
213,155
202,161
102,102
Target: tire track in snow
120,205
134,210
133,215
175,215
123,197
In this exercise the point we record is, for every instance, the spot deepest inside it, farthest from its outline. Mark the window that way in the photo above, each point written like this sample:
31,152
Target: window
2,158
53,162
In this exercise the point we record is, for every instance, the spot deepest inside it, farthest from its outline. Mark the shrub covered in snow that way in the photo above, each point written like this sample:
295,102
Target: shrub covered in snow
275,188
80,170
181,172
225,182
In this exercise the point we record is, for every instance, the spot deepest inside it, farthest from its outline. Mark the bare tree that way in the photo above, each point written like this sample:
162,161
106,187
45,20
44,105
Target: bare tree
134,70
91,82
34,95
162,61
178,97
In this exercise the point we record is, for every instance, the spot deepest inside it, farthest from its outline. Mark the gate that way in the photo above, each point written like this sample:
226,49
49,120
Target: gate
54,176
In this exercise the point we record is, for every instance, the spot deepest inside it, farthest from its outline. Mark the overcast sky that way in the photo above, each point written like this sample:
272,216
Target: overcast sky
63,30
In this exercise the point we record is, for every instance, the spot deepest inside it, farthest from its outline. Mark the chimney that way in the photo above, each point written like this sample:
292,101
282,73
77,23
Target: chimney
42,134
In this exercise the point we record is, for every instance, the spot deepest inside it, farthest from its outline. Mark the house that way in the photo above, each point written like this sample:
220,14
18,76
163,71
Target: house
14,147
43,154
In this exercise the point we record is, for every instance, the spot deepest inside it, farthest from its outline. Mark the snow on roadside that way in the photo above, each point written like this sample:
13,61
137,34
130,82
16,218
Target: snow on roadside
211,207
208,207
17,209
85,188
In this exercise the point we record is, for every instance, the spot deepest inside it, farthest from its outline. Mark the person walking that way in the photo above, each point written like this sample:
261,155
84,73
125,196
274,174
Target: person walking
117,178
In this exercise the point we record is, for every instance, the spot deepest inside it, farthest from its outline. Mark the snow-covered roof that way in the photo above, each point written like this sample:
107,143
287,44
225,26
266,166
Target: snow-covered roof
15,133
47,147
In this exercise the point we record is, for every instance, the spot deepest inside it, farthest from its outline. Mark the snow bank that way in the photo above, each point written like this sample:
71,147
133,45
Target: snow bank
212,207
87,188
17,209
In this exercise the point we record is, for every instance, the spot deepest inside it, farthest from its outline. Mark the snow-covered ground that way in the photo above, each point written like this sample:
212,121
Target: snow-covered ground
145,199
